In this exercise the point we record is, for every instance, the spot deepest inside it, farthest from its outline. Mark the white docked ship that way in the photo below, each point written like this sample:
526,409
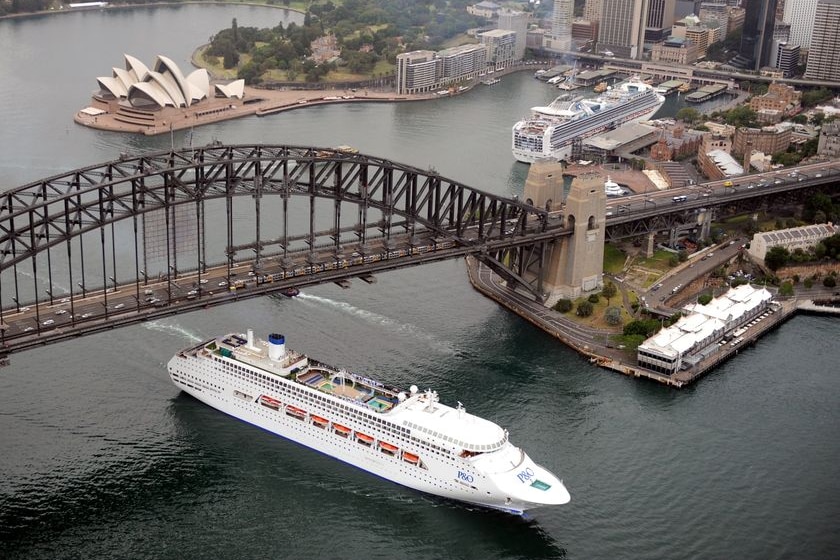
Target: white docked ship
611,188
408,437
550,131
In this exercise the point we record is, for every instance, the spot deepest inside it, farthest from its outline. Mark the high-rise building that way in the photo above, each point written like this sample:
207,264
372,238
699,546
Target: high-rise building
757,35
800,15
787,58
622,27
660,18
561,24
501,47
592,10
517,22
824,54
686,8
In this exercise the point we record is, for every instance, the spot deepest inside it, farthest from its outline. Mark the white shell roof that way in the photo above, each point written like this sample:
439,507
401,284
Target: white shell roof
166,85
233,89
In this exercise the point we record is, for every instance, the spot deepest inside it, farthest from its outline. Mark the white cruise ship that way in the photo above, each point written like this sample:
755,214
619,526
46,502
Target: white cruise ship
407,437
550,131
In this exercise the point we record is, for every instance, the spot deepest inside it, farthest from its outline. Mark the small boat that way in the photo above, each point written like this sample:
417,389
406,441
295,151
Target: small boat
343,431
410,458
290,292
388,448
364,438
296,412
317,420
265,400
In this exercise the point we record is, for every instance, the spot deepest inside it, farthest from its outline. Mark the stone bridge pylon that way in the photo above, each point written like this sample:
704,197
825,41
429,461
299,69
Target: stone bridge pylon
575,264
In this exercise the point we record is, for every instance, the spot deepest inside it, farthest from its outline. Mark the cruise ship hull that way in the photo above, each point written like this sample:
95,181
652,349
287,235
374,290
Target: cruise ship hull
476,480
543,138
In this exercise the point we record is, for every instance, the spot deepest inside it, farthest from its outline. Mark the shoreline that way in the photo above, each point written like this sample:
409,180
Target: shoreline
134,6
255,102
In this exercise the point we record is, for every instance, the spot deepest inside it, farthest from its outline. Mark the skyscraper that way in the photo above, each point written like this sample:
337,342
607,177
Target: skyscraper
757,35
824,55
561,24
622,28
592,10
660,18
518,23
800,15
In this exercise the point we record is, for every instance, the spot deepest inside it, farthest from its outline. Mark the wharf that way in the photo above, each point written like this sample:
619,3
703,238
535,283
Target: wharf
705,93
593,343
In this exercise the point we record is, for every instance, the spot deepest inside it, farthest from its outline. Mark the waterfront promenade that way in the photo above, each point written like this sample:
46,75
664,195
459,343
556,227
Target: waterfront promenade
258,102
595,345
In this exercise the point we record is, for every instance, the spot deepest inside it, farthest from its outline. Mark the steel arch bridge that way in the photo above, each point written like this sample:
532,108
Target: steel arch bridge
146,236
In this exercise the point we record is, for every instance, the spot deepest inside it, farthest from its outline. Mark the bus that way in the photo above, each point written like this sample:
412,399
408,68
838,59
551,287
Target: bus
680,198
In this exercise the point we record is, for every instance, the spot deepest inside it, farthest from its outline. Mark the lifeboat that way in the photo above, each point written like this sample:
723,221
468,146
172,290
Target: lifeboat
317,420
296,412
364,438
410,458
343,431
388,448
265,400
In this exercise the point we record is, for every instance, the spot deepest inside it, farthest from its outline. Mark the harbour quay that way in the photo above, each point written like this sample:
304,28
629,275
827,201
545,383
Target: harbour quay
594,344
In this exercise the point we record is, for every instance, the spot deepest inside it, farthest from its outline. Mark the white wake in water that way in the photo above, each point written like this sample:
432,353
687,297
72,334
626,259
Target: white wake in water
160,326
379,320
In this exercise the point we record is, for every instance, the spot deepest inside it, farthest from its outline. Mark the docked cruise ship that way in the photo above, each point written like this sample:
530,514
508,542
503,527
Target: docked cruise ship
550,131
408,437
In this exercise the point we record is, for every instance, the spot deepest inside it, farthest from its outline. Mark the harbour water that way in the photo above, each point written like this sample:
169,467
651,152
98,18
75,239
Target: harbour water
102,457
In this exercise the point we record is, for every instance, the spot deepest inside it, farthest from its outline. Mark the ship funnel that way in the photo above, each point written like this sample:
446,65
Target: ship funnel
251,339
276,347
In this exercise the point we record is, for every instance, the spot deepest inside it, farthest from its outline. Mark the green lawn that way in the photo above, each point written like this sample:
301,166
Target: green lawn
614,259
659,260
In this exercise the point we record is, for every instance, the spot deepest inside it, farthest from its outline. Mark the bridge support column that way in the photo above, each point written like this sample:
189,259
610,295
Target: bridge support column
706,224
575,264
651,244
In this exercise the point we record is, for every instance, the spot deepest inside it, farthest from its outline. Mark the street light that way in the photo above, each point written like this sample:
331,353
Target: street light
82,286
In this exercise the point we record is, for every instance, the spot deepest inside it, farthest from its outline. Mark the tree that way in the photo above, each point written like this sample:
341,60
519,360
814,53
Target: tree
584,309
704,299
612,315
741,115
829,282
609,291
786,289
689,115
593,298
776,258
563,305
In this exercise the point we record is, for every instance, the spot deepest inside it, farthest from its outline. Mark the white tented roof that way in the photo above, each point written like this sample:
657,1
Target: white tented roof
234,89
164,86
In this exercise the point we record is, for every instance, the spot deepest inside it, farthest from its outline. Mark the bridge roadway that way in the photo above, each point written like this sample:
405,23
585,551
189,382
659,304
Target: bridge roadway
146,299
643,213
496,243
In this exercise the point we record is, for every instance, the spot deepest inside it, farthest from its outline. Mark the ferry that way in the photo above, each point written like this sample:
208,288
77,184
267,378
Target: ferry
407,437
551,131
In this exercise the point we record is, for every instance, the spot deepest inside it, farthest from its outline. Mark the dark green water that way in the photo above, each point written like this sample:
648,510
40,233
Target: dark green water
101,457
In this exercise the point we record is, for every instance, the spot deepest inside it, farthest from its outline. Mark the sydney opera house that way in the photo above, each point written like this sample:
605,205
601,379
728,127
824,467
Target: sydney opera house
145,98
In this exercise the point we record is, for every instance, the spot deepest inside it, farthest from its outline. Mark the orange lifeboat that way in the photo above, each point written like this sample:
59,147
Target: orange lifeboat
265,400
319,421
364,438
296,412
343,431
388,448
410,458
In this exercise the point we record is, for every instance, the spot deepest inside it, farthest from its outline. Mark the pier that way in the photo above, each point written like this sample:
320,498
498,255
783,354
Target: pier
593,344
705,93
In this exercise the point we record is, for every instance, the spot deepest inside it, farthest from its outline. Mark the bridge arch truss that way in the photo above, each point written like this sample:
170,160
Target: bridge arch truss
155,218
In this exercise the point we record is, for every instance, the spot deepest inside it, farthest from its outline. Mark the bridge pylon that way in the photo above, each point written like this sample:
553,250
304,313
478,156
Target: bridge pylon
575,264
